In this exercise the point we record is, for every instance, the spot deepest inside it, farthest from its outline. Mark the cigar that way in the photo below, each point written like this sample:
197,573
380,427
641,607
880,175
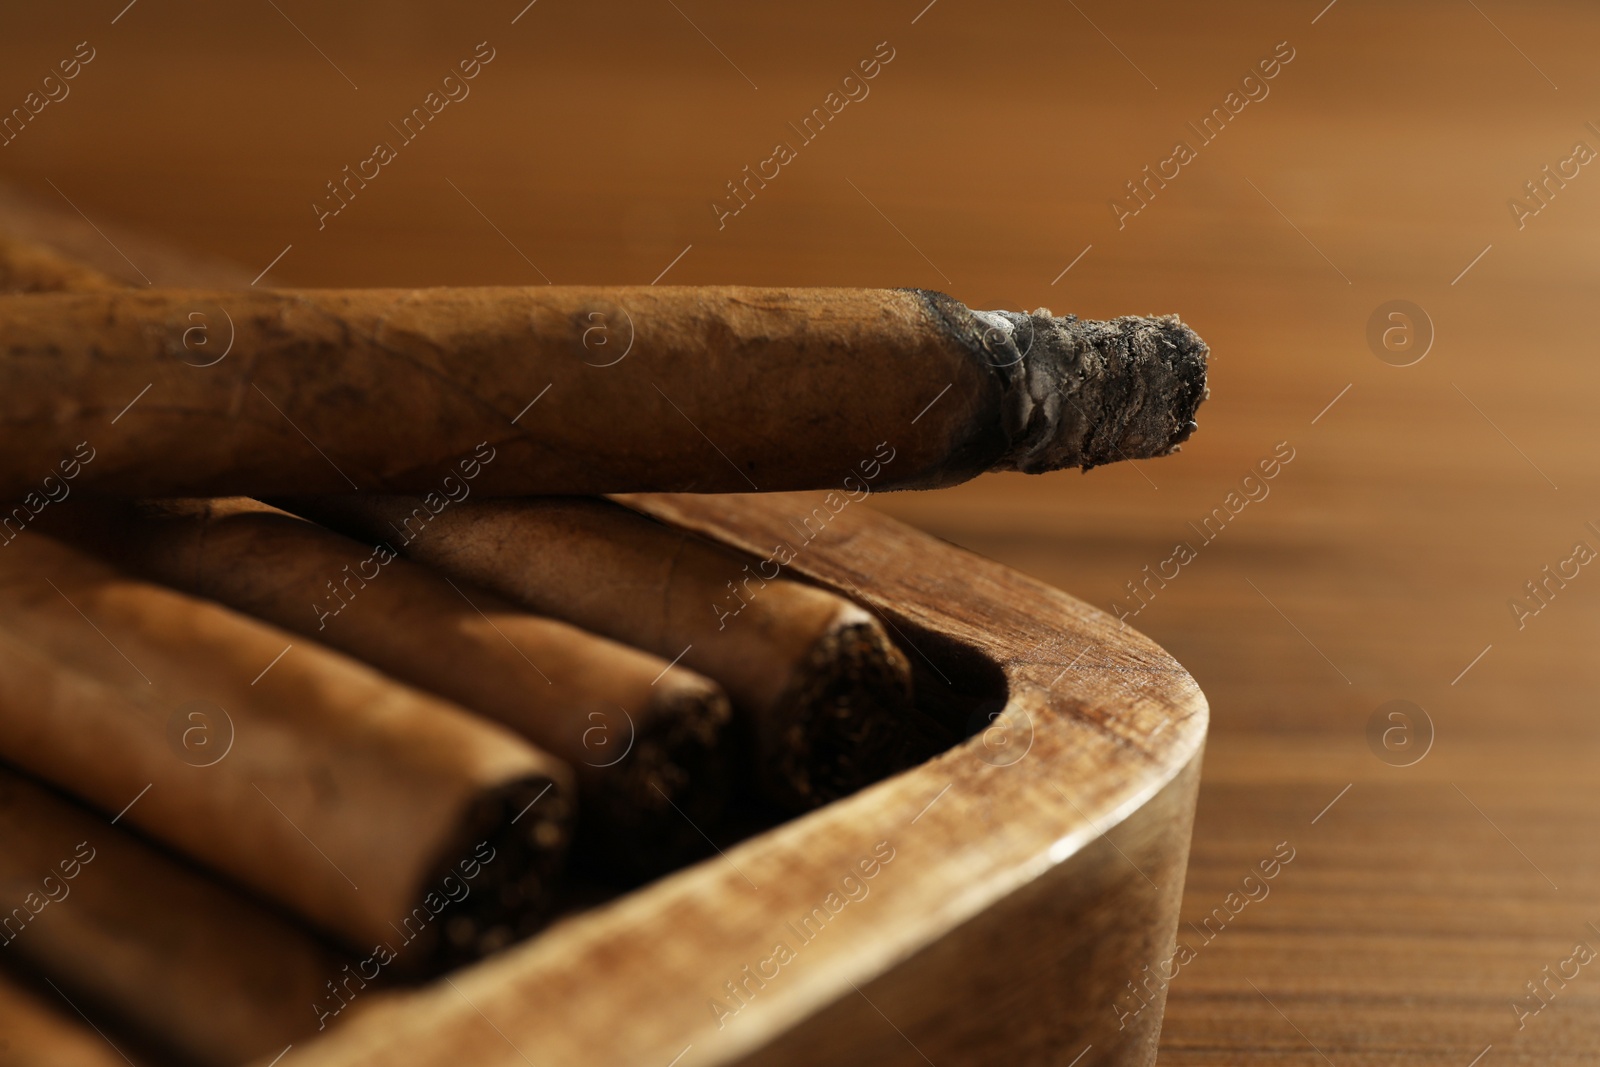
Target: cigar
37,1033
379,813
599,698
128,932
645,743
26,267
573,390
823,691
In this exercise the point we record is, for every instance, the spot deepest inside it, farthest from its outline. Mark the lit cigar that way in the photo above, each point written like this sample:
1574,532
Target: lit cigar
824,693
573,390
190,964
646,744
377,812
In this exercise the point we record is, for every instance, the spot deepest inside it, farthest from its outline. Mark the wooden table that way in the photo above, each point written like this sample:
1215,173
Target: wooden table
1379,563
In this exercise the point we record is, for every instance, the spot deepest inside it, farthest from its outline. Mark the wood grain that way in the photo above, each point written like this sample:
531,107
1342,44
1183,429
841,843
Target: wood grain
983,162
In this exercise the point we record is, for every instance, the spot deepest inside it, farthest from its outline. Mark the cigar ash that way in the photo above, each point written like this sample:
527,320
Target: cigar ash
1079,393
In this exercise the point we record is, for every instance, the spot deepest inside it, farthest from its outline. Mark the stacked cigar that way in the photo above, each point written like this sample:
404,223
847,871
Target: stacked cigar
323,669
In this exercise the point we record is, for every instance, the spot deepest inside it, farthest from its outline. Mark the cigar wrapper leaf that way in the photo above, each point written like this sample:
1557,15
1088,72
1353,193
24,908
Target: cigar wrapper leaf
710,389
191,964
645,743
344,796
638,810
823,692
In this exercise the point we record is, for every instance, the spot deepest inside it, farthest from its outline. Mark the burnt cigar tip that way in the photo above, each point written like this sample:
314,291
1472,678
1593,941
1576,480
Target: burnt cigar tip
1081,393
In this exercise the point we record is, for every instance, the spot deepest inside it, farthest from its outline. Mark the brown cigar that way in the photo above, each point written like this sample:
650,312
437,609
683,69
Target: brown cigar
644,804
573,390
824,691
31,268
34,1032
373,810
645,742
125,931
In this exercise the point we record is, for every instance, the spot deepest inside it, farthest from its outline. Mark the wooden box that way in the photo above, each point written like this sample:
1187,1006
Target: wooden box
1011,901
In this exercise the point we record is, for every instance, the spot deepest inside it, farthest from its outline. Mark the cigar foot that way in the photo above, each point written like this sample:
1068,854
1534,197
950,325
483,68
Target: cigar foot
676,779
844,719
1082,393
515,839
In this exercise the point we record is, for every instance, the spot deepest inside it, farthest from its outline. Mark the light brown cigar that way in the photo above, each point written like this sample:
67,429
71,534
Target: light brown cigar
373,810
126,931
37,1033
702,389
824,691
643,806
645,743
31,268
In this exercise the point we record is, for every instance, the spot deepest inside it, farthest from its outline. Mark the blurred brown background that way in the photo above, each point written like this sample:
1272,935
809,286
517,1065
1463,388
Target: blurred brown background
1380,164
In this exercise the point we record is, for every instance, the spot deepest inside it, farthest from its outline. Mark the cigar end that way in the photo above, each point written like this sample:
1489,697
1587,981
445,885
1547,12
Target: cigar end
1084,393
844,718
508,854
1077,393
675,779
